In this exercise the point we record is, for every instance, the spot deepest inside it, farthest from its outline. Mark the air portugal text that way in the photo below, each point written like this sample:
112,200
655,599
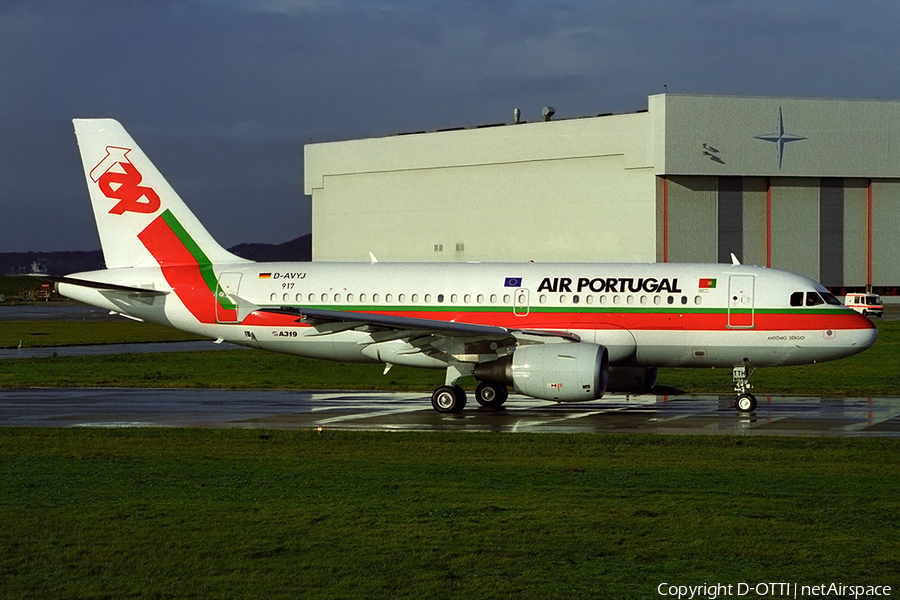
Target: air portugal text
650,285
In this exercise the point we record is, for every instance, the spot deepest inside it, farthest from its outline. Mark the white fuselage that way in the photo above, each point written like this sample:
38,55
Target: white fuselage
661,315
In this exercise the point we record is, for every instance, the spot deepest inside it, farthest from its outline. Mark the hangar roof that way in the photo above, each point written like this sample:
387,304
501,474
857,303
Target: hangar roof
677,135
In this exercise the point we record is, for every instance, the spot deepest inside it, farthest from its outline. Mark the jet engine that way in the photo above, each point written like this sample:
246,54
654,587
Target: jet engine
636,380
567,372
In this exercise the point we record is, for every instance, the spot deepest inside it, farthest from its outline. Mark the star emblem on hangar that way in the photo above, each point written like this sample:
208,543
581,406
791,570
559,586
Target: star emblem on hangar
780,137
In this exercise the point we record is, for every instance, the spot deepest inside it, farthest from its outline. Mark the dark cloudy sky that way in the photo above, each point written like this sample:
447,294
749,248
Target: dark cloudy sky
222,94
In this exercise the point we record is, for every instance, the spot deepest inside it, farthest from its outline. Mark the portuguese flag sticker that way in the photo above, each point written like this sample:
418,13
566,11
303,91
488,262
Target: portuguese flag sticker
708,284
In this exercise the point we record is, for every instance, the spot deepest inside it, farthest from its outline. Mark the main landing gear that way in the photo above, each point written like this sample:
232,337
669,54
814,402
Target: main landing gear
745,401
452,398
448,399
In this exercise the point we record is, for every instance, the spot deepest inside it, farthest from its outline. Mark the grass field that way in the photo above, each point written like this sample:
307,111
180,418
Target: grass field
42,334
291,514
876,372
11,285
163,513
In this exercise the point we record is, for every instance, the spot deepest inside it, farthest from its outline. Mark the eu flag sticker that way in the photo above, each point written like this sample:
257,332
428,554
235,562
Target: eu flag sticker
512,282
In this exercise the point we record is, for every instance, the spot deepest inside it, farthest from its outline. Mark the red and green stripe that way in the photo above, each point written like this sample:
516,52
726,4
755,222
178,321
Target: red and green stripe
632,318
186,268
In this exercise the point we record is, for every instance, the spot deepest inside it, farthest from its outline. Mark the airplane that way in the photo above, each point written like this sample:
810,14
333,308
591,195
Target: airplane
564,332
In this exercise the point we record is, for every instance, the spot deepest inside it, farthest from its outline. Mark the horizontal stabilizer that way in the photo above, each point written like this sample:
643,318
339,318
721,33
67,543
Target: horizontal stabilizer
100,285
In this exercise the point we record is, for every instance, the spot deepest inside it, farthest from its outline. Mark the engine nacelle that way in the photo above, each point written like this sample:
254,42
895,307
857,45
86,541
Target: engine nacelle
567,372
636,380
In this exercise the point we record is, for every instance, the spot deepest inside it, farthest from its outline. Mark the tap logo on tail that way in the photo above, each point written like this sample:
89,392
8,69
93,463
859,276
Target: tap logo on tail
120,180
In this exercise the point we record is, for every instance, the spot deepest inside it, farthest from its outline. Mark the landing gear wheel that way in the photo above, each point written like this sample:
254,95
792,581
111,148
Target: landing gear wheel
492,395
448,399
745,403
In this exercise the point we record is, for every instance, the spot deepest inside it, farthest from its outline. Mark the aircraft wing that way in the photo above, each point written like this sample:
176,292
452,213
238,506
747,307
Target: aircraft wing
316,315
449,328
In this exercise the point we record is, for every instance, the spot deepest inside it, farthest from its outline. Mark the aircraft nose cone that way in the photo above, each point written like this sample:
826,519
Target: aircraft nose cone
864,334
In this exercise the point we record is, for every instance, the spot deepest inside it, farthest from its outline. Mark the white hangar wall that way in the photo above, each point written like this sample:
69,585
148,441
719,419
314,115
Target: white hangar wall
576,190
806,185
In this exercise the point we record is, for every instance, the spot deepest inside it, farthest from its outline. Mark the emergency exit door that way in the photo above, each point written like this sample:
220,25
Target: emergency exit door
226,297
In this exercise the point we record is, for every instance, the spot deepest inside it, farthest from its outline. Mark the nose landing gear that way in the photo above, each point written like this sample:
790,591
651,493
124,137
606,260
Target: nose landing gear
745,401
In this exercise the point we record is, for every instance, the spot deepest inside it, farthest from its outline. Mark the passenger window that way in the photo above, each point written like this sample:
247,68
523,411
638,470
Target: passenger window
542,298
298,298
453,298
575,299
349,297
603,299
630,299
362,297
286,298
415,298
324,298
480,299
797,299
493,298
375,298
467,298
617,299
273,298
337,297
671,300
813,299
428,298
401,298
698,300
684,299
312,298
506,298
643,299
440,297
657,300
589,299
562,298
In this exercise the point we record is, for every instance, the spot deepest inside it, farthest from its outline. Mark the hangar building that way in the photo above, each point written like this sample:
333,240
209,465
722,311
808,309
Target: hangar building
806,185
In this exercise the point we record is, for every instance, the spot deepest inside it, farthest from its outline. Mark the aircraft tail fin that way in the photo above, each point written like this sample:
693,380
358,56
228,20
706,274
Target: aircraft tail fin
140,218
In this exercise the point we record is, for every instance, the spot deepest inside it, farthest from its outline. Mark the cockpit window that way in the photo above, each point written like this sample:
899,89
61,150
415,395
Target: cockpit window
830,299
813,299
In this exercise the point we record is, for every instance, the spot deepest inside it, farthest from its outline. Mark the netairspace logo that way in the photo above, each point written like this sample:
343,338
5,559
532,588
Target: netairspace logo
772,590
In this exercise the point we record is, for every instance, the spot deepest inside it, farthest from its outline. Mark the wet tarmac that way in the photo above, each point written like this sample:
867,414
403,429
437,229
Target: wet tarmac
775,415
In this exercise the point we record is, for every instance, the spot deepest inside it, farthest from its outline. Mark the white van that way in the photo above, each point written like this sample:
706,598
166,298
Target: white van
867,304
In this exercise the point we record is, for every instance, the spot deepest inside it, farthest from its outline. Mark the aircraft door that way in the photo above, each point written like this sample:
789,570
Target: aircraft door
226,297
740,302
521,302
